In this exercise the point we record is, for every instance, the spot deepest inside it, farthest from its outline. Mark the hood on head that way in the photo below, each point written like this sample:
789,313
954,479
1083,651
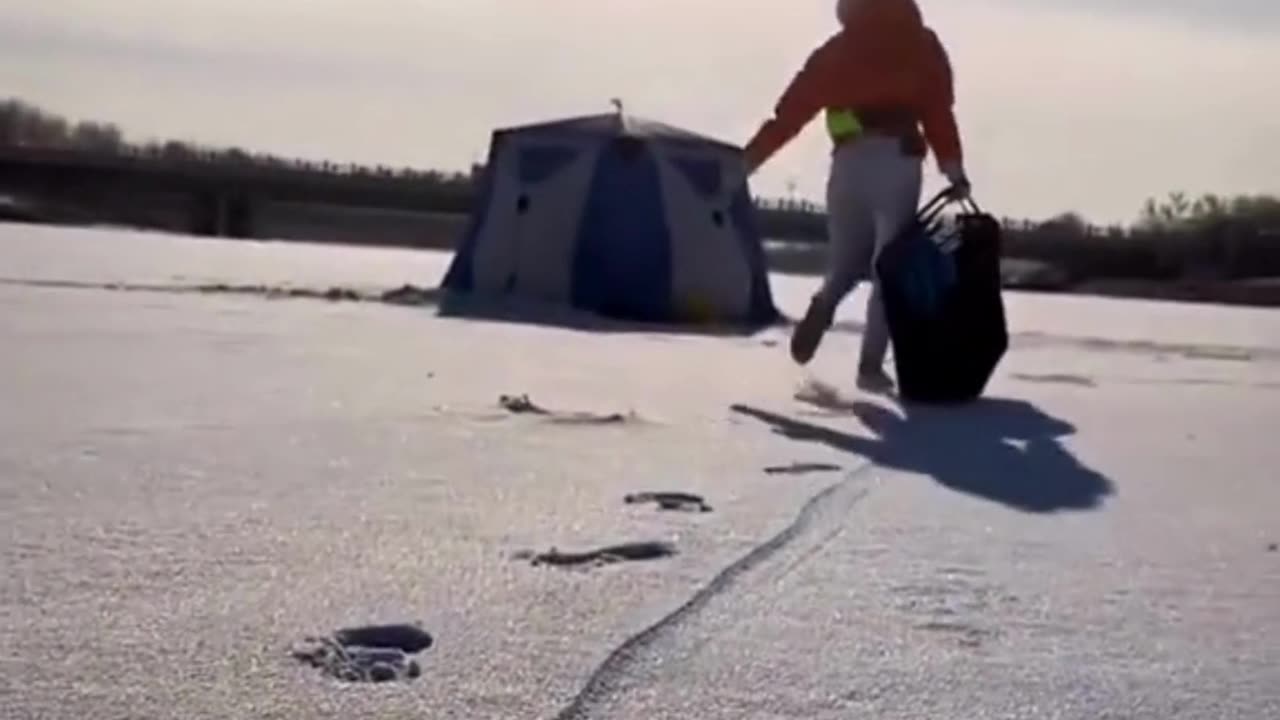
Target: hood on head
897,13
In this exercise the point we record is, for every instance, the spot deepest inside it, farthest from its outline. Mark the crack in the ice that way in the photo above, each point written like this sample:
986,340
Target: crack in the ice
602,682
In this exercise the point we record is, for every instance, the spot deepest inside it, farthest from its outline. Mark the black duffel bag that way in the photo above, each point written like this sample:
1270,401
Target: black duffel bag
940,284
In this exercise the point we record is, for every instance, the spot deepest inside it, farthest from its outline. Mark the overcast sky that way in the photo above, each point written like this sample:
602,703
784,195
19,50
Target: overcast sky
1086,105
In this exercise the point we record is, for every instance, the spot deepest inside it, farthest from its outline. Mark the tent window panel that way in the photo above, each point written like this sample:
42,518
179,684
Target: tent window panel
702,173
539,163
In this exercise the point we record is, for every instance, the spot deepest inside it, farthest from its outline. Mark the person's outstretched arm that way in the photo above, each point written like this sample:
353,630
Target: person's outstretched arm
938,119
800,102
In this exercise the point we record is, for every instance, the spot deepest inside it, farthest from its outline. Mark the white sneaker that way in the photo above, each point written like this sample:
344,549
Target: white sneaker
875,380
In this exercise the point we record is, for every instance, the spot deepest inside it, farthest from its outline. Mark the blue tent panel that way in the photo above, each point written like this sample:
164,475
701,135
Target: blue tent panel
622,266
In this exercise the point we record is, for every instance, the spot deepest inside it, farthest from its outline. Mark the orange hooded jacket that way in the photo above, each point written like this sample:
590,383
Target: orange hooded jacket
884,57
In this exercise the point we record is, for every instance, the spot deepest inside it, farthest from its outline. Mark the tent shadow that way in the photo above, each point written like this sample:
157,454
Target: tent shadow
524,311
1005,451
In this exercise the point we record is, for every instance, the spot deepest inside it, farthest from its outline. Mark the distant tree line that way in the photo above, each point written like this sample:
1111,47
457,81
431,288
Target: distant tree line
1175,237
25,125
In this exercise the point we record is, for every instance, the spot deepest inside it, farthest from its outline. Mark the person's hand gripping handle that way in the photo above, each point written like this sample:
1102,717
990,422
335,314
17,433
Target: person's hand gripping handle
960,188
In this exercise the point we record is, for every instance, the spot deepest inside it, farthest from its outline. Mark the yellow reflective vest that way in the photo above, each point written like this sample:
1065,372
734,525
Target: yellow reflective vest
843,125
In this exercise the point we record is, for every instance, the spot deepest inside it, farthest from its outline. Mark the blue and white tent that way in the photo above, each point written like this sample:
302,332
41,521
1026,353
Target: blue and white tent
623,217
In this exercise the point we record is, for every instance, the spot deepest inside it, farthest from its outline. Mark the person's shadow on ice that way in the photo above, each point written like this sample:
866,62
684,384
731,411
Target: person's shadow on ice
1007,451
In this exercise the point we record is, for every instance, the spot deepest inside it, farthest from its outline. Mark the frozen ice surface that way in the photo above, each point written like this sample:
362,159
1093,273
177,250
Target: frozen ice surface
189,484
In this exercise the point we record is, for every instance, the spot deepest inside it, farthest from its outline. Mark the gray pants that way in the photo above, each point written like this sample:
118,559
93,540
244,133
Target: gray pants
873,191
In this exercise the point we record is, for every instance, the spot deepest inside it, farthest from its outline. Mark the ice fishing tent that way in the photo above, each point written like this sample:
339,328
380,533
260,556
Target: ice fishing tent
623,217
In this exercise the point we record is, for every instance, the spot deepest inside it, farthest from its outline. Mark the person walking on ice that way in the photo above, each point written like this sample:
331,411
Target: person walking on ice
884,82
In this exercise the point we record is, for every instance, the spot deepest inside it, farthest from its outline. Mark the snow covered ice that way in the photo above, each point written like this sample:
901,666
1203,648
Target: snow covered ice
191,482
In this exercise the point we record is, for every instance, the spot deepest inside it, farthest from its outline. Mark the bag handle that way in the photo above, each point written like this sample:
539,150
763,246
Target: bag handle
932,209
